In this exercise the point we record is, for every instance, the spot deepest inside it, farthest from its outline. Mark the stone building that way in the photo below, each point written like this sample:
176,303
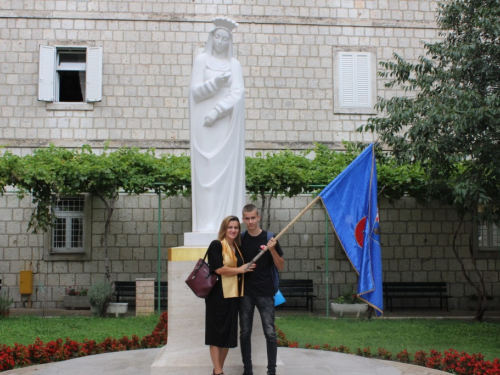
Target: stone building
310,76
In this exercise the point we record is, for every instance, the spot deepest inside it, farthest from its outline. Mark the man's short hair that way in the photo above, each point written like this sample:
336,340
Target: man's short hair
250,208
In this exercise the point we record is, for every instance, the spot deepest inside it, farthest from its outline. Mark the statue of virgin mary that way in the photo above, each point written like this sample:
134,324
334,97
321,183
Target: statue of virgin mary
217,122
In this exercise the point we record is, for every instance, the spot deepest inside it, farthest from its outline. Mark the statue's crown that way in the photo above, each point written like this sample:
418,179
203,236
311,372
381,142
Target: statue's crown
224,23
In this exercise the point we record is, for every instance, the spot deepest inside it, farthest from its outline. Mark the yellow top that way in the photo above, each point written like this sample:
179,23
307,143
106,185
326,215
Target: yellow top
230,283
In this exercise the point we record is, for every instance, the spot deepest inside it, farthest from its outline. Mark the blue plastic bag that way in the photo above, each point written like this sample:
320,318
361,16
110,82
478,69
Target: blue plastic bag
278,298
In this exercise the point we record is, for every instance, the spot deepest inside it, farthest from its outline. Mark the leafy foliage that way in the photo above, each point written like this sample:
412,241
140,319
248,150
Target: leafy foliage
450,125
54,172
100,295
282,173
349,297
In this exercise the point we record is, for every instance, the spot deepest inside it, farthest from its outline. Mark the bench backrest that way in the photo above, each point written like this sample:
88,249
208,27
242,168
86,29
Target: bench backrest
128,288
296,286
416,287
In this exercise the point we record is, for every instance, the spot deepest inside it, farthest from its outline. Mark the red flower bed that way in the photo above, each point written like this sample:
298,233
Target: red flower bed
59,350
450,361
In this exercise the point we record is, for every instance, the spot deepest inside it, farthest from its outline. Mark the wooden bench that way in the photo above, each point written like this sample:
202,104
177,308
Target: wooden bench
298,289
126,289
414,290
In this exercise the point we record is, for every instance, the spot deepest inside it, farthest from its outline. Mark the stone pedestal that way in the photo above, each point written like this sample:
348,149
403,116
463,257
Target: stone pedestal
199,239
144,296
186,352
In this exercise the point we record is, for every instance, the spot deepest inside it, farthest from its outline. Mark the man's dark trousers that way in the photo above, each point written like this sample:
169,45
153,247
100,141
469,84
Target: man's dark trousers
265,305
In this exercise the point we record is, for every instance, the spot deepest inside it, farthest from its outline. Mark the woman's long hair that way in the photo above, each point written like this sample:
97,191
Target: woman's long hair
223,229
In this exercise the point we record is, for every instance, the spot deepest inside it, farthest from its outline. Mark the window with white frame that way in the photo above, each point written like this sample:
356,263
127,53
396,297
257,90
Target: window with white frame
70,74
355,82
70,230
488,236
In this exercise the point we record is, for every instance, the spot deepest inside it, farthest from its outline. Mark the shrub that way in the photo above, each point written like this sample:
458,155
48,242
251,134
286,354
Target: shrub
5,303
452,361
100,295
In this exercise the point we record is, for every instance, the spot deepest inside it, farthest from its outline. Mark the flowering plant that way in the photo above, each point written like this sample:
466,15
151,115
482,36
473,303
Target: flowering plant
74,291
349,297
60,350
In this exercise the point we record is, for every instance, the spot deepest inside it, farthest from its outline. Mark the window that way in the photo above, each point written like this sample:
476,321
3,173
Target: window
488,238
355,84
67,232
70,234
70,77
70,74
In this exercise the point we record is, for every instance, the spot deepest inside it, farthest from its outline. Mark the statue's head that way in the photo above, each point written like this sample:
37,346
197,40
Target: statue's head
221,37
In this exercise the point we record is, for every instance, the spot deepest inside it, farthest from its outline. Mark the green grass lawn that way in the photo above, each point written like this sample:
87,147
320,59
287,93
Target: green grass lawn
390,334
395,335
25,329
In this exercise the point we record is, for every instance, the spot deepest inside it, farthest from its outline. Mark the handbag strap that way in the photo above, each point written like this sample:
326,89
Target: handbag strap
205,257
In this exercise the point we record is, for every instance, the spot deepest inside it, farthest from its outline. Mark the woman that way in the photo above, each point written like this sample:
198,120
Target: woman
217,123
221,319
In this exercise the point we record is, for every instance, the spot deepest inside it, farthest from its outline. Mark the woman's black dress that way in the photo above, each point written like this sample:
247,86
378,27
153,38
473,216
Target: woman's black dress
221,318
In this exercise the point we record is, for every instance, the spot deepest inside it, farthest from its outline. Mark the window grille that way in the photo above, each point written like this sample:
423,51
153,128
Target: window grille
488,236
68,229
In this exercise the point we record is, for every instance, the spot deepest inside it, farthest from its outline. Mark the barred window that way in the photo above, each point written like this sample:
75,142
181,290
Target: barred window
488,236
68,229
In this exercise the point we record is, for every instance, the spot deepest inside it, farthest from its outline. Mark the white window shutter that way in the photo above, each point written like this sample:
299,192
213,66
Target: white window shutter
355,85
46,73
363,80
94,74
347,83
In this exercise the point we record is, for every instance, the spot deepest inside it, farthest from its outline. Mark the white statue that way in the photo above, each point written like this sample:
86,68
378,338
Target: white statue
217,121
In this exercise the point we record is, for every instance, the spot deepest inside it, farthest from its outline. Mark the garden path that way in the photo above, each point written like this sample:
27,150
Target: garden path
297,362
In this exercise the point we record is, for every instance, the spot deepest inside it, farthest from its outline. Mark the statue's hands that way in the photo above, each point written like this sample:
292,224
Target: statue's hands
211,117
223,78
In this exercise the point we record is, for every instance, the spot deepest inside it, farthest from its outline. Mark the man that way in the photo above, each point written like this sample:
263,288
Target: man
259,289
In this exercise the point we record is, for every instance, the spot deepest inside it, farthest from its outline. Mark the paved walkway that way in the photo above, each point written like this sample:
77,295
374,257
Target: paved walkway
297,362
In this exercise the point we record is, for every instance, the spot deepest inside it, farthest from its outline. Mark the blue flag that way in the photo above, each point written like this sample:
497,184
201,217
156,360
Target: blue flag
351,202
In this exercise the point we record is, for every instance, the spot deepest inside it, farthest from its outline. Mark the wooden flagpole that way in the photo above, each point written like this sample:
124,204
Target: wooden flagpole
284,230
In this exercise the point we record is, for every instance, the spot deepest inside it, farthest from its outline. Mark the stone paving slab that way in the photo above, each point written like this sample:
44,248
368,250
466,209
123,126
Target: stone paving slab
297,362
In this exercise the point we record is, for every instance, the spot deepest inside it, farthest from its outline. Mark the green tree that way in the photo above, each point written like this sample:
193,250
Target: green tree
449,120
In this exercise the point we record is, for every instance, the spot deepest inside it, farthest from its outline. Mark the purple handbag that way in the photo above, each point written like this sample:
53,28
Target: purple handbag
201,280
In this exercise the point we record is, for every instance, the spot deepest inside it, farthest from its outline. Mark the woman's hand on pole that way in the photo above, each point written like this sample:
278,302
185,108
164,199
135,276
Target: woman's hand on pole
249,267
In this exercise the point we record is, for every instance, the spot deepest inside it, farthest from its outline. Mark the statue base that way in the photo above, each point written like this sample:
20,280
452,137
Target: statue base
185,352
199,239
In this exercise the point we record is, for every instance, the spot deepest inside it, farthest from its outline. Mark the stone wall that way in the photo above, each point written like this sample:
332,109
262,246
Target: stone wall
416,246
286,49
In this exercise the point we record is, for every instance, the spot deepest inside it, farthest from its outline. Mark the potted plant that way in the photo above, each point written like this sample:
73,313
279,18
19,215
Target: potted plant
76,298
348,303
5,303
99,296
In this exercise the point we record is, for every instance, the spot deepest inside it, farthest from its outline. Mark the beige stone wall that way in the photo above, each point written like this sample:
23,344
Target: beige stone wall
416,246
286,49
